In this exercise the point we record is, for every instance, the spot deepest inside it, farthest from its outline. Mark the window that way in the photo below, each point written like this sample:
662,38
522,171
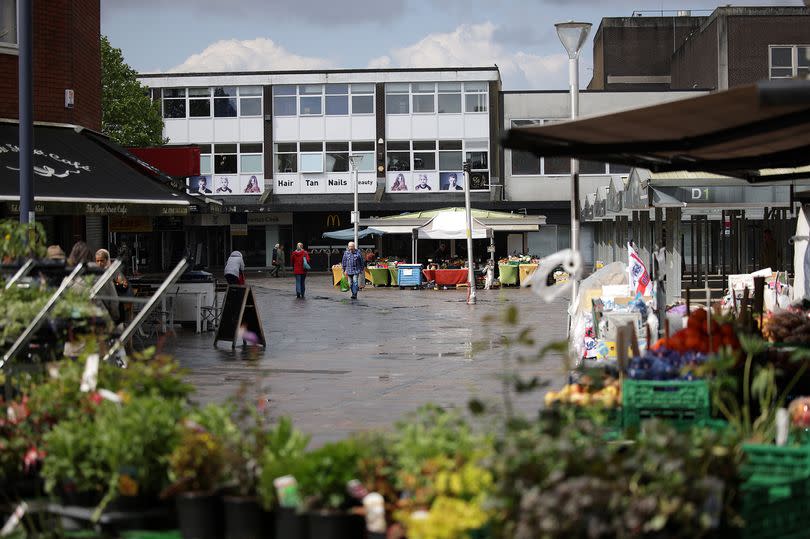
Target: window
225,102
310,100
284,101
450,156
8,23
311,156
337,99
424,97
199,102
286,157
397,98
475,97
449,98
337,157
424,155
250,158
398,155
525,163
205,159
366,151
478,160
362,98
789,61
250,101
225,161
619,169
174,102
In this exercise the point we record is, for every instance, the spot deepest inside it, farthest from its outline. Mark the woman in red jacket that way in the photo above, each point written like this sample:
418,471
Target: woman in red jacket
298,258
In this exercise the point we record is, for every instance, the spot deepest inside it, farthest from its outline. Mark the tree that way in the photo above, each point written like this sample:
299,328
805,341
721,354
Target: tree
128,115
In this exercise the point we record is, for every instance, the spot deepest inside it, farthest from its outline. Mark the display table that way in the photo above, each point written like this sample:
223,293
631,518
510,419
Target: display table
392,270
378,276
451,277
337,274
508,274
430,275
525,270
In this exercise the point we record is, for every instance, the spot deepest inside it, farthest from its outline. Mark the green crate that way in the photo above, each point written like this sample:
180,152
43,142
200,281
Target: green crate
788,518
683,403
783,471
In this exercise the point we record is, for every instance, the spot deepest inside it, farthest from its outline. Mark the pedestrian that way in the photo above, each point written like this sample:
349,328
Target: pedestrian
281,257
353,265
109,292
234,269
300,264
274,262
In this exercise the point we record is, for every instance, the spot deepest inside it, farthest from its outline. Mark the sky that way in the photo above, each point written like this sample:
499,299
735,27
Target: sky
264,35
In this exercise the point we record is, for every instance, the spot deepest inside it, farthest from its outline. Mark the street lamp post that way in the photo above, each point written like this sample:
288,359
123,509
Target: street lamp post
355,162
468,210
573,35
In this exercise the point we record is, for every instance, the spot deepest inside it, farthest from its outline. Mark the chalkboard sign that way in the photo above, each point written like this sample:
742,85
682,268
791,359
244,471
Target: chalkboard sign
239,311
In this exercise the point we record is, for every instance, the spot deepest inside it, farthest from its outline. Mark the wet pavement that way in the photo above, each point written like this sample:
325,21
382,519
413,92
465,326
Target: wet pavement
337,366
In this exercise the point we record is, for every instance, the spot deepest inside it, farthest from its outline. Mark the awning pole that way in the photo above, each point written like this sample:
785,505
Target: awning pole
470,270
26,111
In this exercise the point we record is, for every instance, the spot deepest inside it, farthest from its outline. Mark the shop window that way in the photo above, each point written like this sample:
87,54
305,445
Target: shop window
8,23
174,102
286,157
424,155
199,102
225,102
225,161
312,162
478,160
337,157
398,156
250,158
205,159
250,101
365,149
284,101
362,98
450,160
449,98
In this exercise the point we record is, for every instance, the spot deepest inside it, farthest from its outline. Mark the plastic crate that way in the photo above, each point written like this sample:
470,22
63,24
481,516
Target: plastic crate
788,518
684,403
775,472
409,275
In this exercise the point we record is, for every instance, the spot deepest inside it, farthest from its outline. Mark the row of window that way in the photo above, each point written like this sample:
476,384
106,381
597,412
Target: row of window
528,164
789,61
244,158
219,102
316,157
431,97
423,155
8,22
323,99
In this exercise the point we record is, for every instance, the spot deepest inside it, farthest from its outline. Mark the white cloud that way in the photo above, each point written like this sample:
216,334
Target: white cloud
476,45
248,55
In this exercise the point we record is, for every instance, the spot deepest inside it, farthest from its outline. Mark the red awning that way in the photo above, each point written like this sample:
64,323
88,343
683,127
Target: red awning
180,161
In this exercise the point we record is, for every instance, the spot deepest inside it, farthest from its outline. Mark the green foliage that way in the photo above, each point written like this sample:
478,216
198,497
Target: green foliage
128,115
323,474
21,240
198,461
75,461
284,447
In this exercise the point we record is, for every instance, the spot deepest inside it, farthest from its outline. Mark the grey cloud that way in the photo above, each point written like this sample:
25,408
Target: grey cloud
524,35
316,12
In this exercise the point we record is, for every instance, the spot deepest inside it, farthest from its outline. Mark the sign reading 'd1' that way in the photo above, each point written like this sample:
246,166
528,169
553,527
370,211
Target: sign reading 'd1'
329,183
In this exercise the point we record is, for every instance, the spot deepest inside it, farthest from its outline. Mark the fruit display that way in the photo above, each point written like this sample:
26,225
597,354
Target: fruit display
665,364
790,327
609,395
800,412
695,336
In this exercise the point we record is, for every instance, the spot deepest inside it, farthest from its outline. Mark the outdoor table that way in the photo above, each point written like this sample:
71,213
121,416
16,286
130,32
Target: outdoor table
378,276
525,270
337,274
508,274
451,277
394,275
430,275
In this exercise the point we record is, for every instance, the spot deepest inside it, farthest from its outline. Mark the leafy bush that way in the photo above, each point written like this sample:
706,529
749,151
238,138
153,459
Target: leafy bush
323,474
284,448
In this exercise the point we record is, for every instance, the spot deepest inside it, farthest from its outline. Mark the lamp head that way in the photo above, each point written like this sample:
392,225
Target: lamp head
573,35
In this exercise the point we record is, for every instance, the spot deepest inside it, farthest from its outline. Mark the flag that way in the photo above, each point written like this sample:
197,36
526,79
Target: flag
639,278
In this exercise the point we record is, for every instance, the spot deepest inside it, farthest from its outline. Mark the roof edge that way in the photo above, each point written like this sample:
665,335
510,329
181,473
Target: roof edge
316,71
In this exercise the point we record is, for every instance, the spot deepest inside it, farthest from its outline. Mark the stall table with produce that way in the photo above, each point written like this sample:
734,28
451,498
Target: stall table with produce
508,274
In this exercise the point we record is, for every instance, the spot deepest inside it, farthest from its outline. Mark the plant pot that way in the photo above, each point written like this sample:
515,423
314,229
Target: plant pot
290,524
323,525
245,518
199,515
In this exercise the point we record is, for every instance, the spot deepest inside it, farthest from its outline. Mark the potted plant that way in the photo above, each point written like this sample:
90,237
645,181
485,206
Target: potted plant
196,469
283,449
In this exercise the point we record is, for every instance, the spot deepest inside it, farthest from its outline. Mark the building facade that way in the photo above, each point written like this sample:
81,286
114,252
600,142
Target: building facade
275,149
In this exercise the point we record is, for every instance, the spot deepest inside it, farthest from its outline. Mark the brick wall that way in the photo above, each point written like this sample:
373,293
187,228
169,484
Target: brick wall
66,56
694,65
748,40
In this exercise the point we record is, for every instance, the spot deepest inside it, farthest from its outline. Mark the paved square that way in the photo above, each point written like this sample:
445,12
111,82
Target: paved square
337,366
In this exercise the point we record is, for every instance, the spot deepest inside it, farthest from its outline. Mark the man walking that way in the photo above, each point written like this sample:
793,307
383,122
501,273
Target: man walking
353,265
274,262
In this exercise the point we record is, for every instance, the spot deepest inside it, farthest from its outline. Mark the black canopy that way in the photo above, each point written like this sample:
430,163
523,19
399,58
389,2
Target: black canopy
77,171
737,132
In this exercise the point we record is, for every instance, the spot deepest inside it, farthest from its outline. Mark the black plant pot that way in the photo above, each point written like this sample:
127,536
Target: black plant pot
245,519
335,526
199,515
290,524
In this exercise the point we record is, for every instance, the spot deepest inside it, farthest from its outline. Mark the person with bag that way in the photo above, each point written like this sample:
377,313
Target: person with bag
300,263
234,269
353,266
274,262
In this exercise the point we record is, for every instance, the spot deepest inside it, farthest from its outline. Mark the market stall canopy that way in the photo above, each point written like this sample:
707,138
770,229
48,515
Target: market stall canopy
80,172
736,132
495,220
451,226
347,234
683,189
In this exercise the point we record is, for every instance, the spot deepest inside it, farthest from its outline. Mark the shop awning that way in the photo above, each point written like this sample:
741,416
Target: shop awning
496,221
737,132
347,234
80,172
179,161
